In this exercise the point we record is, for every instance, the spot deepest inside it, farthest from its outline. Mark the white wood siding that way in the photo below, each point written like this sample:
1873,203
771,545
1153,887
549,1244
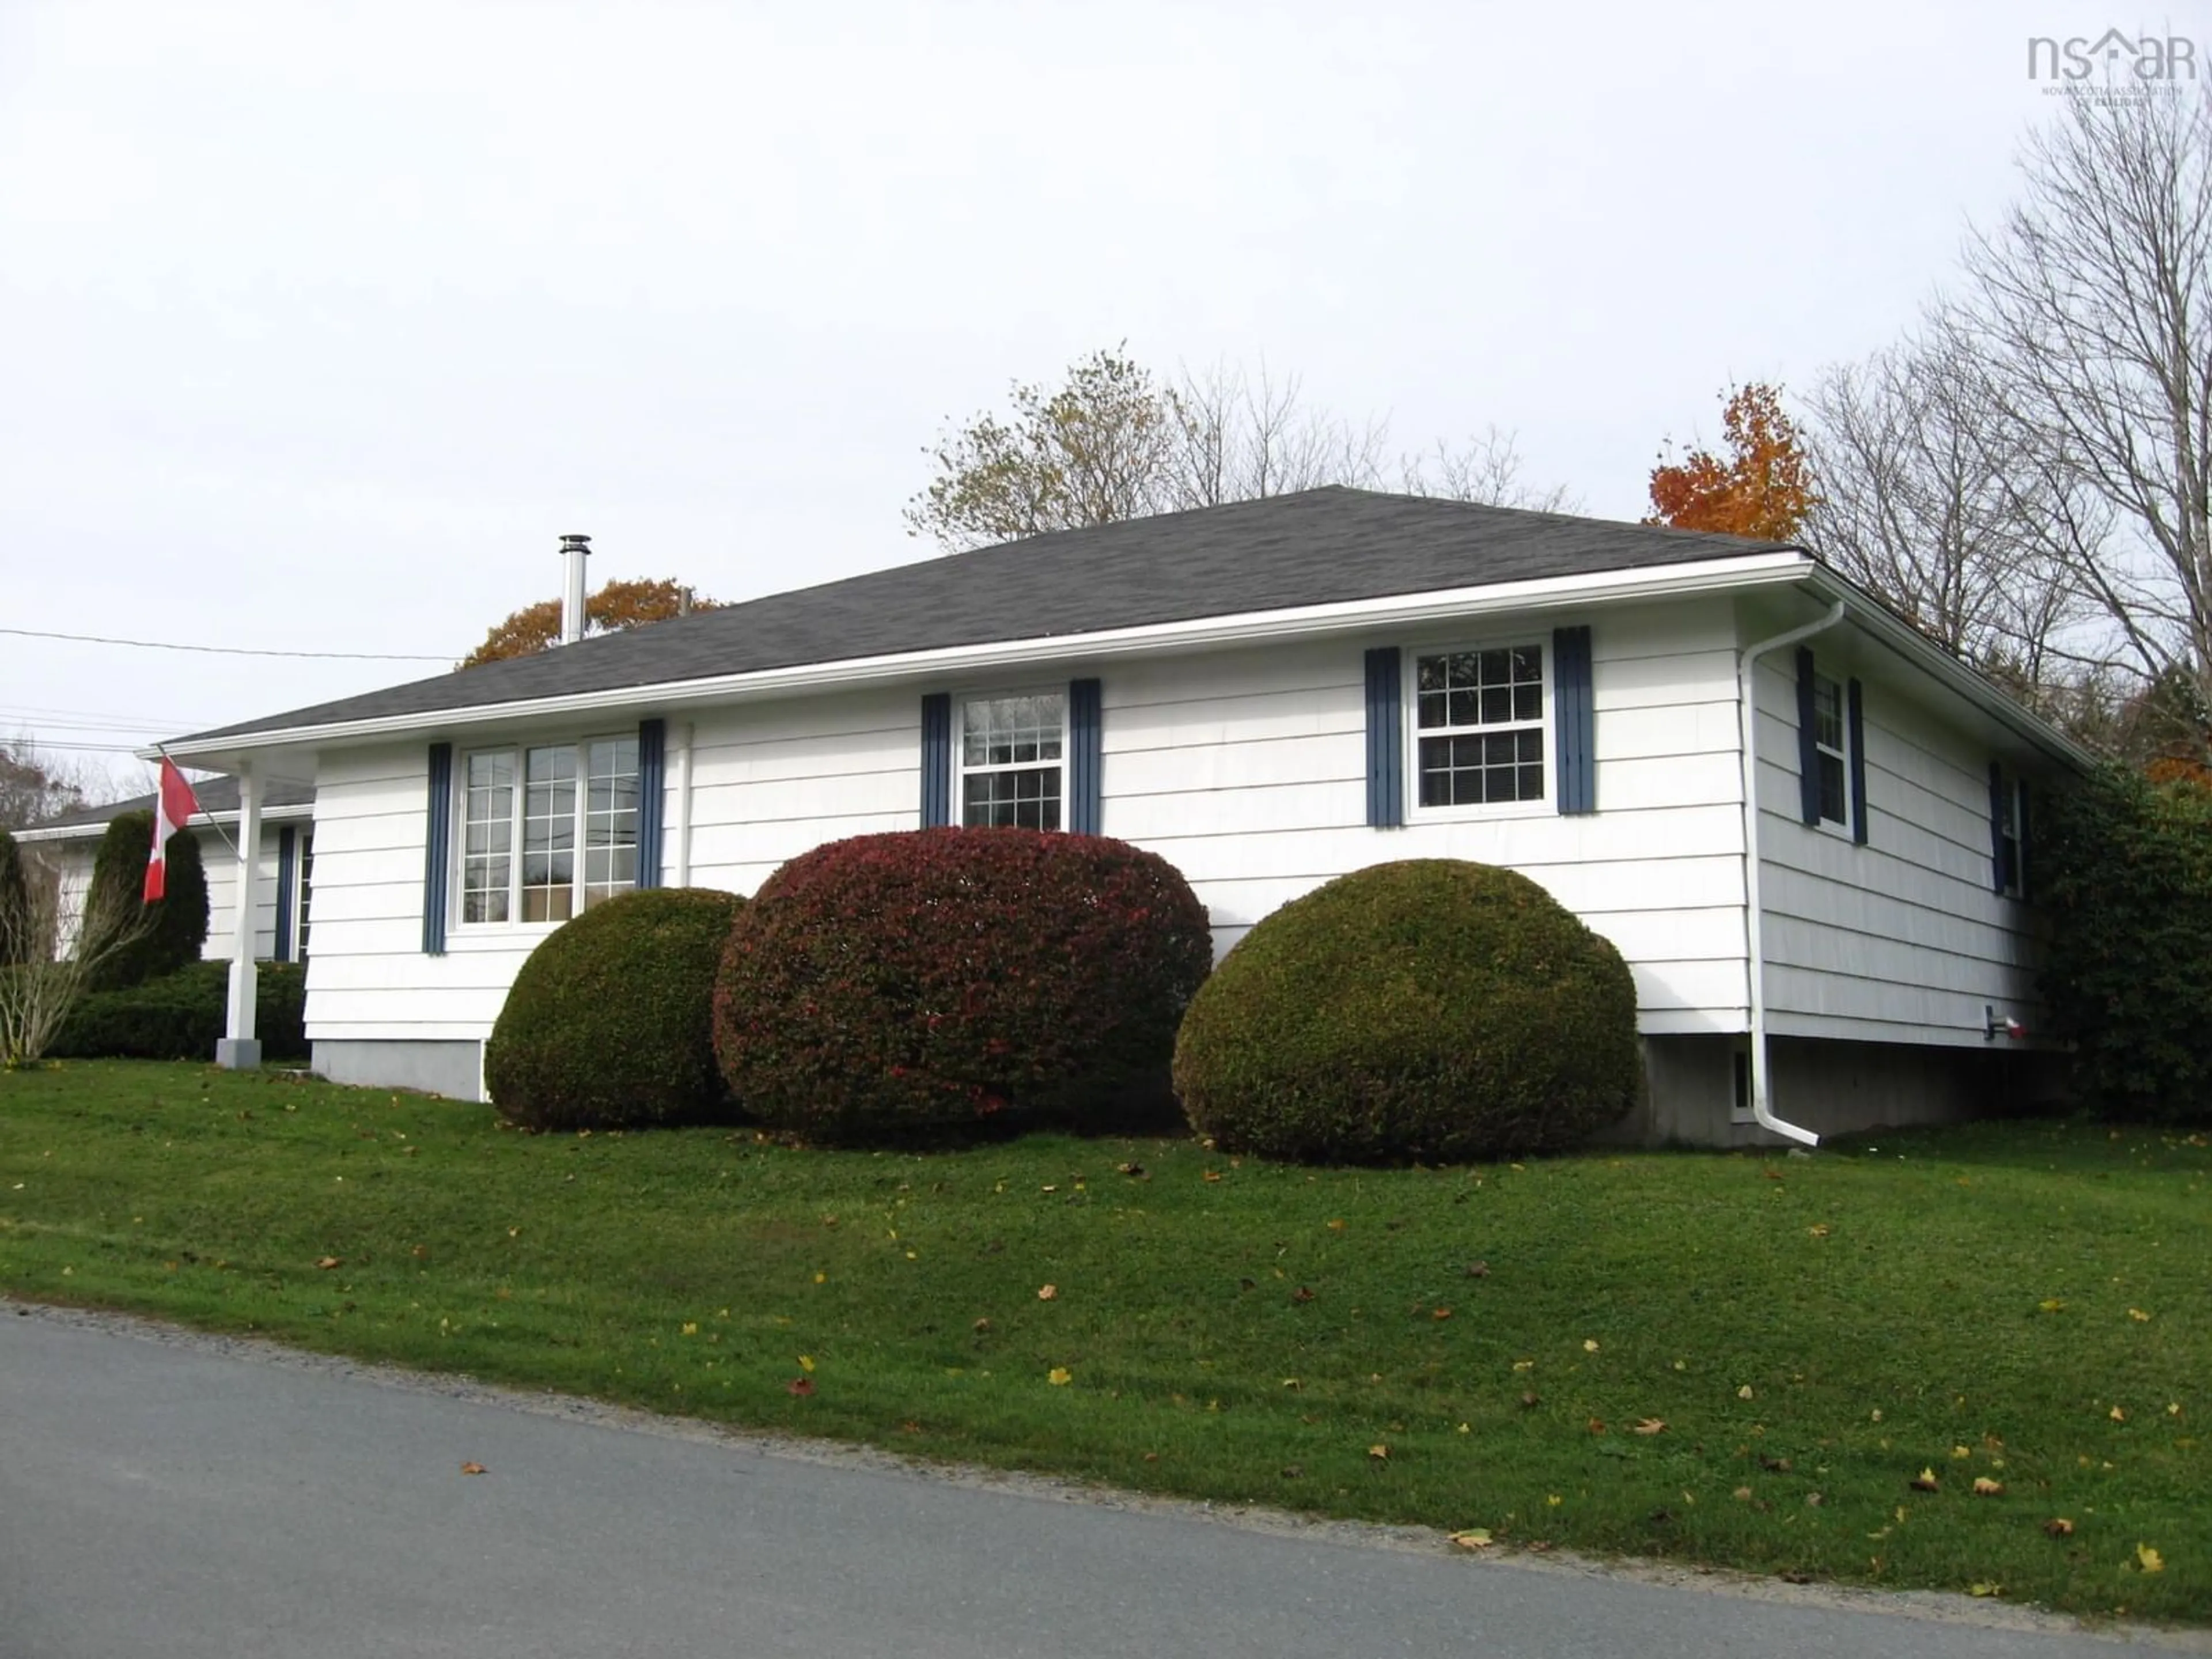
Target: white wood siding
367,974
220,864
1903,939
1245,769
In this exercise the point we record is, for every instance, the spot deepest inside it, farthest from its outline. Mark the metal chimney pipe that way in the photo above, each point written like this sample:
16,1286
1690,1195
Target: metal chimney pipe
574,550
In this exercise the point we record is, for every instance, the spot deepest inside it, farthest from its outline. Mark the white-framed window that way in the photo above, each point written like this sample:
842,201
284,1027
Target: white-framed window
528,812
1481,729
1831,750
1011,762
303,882
2007,834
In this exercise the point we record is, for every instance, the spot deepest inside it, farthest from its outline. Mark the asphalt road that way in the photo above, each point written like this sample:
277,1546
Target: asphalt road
178,1497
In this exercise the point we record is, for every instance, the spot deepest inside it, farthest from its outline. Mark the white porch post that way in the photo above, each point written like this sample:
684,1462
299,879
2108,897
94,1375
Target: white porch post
239,1049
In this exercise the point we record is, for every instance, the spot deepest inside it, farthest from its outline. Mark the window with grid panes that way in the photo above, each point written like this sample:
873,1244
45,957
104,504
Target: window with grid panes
1011,760
525,814
1829,740
1478,723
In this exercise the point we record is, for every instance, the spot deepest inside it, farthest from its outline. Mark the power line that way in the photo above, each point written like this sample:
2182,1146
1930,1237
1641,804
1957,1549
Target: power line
223,650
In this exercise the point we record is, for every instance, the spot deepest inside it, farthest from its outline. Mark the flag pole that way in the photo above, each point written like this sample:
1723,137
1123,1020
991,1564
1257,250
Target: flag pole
203,812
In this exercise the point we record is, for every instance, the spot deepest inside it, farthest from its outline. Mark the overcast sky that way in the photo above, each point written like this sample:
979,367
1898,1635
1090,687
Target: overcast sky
320,325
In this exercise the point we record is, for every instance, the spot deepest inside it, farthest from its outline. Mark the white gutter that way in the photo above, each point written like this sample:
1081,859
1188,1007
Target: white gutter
1755,931
1396,610
94,830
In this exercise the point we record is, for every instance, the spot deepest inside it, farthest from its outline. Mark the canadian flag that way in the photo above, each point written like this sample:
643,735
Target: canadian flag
173,807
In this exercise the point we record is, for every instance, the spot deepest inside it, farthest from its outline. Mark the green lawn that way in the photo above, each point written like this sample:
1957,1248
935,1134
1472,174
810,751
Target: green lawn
2028,1304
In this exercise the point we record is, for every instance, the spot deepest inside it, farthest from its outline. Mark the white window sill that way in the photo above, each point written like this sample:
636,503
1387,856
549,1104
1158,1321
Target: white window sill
1484,814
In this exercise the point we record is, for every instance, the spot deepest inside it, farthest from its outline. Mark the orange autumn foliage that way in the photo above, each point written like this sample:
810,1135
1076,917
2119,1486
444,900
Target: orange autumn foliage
1762,488
619,604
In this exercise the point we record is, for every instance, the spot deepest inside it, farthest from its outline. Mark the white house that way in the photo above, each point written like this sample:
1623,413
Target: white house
1268,695
284,865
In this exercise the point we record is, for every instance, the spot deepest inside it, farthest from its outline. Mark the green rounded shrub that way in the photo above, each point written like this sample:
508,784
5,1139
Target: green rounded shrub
1432,1009
180,1016
908,985
133,941
610,1023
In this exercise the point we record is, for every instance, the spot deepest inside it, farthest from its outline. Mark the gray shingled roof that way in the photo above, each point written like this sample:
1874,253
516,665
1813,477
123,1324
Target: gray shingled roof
1318,547
215,795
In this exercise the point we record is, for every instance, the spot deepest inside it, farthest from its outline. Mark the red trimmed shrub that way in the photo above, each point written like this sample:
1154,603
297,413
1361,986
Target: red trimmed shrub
908,984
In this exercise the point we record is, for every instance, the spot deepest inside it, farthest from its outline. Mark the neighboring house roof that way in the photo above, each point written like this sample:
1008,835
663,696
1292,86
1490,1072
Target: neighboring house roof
218,799
1317,547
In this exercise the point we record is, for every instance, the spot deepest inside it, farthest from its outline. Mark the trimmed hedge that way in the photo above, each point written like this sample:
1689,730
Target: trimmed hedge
609,1023
180,1016
179,926
2123,866
1432,1009
906,985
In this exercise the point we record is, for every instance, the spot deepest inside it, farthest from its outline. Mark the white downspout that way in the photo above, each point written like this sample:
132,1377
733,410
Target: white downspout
1754,929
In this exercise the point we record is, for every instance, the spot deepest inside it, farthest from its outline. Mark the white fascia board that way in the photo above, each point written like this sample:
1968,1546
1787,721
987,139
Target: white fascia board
93,831
1922,653
1249,627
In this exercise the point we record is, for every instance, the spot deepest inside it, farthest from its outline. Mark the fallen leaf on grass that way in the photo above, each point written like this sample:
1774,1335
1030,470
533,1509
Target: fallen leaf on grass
1925,1481
1774,1465
1293,1471
2139,1315
1743,1494
2151,1560
1985,1487
1440,1313
1060,1377
799,1386
1962,1451
2118,1415
1589,1345
1336,1226
1984,1587
1477,1270
1302,1294
1134,1171
2059,1527
1475,1538
2052,1305
1047,1292
806,1362
1818,1229
980,1326
1530,1401
473,1468
1744,1393
1212,1174
1597,1426
329,1261
1379,1454
1649,1426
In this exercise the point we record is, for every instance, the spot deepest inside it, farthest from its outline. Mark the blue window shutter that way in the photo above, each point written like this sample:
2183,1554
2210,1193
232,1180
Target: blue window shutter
1085,753
287,877
437,856
1855,711
936,760
1386,740
1574,720
1808,742
2000,871
652,798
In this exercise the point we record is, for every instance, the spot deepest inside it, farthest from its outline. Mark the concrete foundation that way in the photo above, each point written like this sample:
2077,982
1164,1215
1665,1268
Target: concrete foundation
452,1069
238,1054
1695,1086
